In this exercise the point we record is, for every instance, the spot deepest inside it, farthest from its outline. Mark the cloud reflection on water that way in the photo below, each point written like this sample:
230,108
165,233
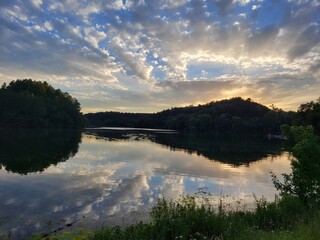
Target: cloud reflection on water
108,180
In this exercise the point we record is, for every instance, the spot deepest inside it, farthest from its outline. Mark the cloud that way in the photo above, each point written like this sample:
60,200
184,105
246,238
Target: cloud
37,3
93,36
224,7
133,62
172,3
306,40
315,68
105,183
144,47
262,41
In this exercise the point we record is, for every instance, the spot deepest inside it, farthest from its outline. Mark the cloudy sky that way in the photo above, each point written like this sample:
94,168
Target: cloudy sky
145,56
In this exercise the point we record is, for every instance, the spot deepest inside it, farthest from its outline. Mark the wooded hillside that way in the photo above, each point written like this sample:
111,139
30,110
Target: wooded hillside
235,114
31,104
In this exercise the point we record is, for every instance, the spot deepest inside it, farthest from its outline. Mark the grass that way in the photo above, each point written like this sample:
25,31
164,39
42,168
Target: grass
304,231
285,218
79,234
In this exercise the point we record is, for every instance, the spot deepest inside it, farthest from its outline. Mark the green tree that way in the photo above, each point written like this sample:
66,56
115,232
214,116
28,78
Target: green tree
304,181
309,114
31,104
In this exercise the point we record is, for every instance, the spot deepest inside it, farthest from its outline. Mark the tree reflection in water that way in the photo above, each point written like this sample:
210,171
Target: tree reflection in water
234,149
27,151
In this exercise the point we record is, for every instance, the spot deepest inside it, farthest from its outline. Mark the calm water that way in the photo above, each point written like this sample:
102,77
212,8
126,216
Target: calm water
52,179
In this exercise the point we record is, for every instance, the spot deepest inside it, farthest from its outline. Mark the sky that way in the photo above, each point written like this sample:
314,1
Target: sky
146,56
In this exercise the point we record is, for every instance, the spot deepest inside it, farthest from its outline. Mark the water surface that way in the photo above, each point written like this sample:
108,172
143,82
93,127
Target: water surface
49,179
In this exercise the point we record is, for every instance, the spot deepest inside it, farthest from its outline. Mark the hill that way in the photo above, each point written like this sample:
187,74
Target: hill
31,104
230,115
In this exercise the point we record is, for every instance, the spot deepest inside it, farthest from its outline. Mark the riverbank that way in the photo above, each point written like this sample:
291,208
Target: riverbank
285,218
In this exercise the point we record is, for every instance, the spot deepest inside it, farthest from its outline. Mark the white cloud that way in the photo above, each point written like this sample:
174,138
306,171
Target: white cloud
137,46
48,26
116,4
91,8
243,2
37,3
172,3
15,12
93,36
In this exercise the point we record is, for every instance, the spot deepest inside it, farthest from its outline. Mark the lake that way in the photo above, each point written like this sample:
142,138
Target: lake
53,180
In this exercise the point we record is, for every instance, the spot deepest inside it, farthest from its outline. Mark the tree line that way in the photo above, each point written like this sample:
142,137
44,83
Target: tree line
231,115
32,104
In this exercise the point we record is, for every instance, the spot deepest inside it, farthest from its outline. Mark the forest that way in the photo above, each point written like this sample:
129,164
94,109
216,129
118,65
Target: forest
33,104
230,115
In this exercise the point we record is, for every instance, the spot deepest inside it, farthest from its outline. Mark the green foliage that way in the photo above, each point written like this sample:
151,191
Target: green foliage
304,181
188,219
303,231
79,234
31,104
141,231
309,114
295,134
281,214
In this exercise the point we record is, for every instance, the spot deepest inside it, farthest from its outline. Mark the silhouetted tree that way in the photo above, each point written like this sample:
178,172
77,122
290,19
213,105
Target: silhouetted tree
232,115
309,114
31,104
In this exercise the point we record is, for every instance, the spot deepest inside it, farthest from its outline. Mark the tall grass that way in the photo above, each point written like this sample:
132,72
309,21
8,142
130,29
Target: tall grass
188,218
185,219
